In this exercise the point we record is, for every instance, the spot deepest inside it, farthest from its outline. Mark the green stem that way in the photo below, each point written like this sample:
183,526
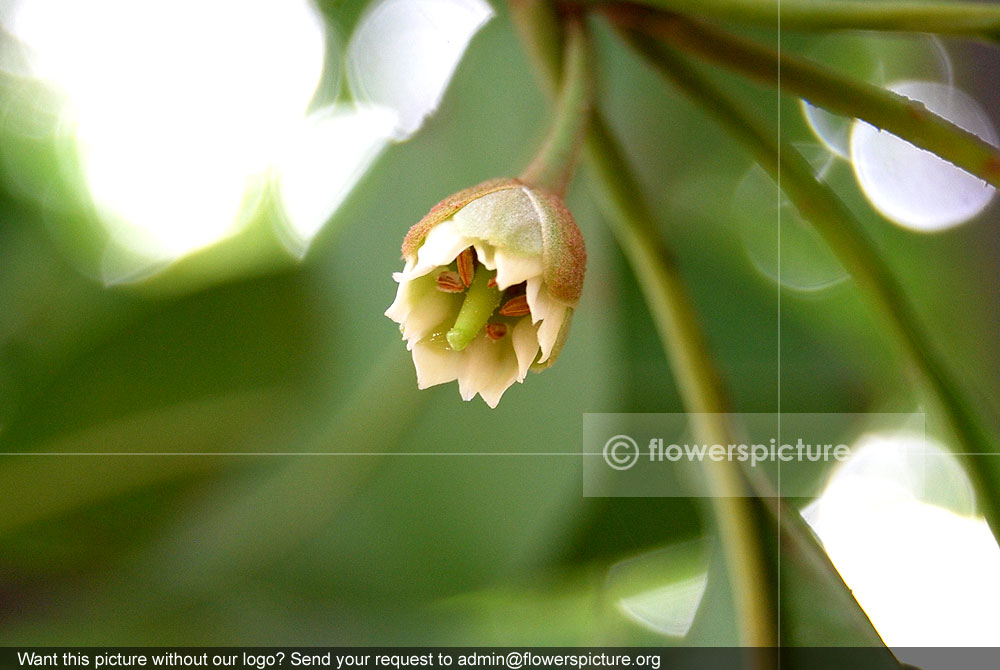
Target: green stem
694,371
819,85
676,322
660,280
480,302
552,167
849,241
970,19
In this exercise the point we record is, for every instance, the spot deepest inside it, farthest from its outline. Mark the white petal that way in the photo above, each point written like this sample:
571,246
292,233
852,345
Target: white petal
401,307
420,307
490,369
404,52
485,254
538,299
548,332
524,338
515,268
435,364
442,244
431,312
549,311
492,396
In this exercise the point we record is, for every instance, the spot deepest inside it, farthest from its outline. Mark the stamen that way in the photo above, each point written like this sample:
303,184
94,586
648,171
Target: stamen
450,282
466,262
516,306
479,305
496,331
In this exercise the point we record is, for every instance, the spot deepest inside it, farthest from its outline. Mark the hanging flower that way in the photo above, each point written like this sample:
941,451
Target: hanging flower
491,279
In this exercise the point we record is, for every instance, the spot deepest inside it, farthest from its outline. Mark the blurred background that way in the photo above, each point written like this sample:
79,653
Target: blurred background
201,205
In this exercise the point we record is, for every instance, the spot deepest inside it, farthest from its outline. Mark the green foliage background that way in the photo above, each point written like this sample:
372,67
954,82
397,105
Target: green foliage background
241,350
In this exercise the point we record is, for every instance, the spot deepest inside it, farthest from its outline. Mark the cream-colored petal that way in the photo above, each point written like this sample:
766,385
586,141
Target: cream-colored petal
524,338
420,307
442,244
401,307
436,364
547,310
515,268
539,301
431,313
492,395
548,331
474,366
485,254
490,369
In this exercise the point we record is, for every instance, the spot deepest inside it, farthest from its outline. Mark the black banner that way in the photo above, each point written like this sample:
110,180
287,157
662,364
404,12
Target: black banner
511,658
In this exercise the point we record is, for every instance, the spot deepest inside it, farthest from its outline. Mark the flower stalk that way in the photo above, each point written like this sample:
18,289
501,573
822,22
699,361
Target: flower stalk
968,19
553,165
816,83
494,272
852,246
676,322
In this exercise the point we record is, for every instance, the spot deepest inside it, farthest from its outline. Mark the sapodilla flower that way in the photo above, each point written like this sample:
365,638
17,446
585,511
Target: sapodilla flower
491,279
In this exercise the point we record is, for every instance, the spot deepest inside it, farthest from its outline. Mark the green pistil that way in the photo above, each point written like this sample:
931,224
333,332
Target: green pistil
480,302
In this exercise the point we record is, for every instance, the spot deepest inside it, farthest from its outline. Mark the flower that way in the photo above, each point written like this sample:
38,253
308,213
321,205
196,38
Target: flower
491,279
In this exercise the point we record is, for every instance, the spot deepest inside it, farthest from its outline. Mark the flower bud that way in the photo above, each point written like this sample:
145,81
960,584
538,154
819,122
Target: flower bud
491,279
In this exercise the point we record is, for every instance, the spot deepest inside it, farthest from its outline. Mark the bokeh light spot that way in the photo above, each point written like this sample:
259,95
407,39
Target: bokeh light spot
913,187
175,106
804,260
661,590
876,59
404,52
897,521
328,155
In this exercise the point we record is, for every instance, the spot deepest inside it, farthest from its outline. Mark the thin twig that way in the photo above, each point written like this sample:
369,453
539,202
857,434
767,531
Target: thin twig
969,19
818,85
852,246
677,324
